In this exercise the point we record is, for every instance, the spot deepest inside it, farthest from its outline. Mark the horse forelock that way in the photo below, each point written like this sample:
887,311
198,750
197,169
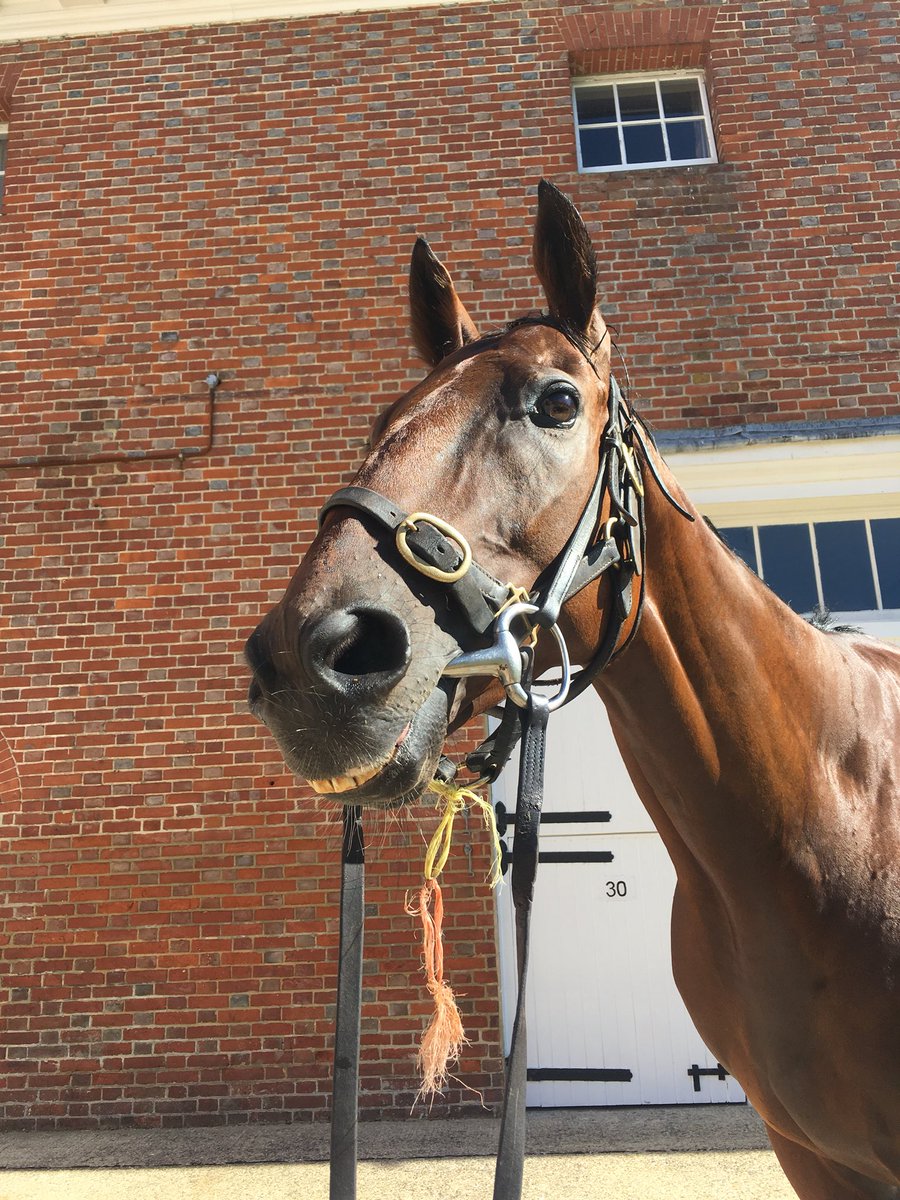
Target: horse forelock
576,336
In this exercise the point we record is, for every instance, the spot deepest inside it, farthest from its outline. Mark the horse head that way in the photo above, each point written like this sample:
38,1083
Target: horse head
490,459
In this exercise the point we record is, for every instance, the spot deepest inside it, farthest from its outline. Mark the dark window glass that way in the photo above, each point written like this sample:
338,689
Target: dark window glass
637,101
681,97
886,540
687,139
595,104
2,164
787,563
600,148
741,542
644,143
845,566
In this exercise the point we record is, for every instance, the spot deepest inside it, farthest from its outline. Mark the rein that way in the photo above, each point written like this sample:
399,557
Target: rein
441,553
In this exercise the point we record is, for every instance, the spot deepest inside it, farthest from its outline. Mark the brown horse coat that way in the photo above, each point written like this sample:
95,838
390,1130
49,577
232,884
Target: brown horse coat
766,751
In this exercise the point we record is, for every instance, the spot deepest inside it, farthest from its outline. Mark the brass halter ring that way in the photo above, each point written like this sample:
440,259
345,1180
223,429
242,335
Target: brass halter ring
408,524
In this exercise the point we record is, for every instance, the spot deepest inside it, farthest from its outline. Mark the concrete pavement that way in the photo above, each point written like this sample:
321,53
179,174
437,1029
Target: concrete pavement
573,1154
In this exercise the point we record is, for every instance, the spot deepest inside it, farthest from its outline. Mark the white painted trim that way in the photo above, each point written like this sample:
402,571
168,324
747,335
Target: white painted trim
874,561
774,483
22,20
884,625
779,483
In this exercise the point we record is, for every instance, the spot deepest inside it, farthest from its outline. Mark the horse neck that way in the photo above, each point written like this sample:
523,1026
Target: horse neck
716,695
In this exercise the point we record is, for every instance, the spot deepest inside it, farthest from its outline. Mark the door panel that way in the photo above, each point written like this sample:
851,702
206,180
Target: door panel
605,1022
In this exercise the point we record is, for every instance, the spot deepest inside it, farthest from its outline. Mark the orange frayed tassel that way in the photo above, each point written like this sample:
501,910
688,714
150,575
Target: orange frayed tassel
444,1038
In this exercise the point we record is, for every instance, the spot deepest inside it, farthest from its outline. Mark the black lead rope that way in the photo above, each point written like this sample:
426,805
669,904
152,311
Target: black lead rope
511,1154
345,1078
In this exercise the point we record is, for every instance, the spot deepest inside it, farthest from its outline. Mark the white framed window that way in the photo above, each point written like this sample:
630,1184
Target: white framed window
624,122
4,131
845,566
818,521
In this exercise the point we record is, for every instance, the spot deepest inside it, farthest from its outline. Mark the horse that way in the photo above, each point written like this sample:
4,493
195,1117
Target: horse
764,749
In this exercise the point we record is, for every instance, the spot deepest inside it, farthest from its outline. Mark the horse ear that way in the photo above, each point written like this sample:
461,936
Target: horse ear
564,260
439,322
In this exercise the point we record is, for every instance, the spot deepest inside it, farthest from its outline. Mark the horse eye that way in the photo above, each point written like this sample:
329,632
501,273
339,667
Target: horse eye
558,406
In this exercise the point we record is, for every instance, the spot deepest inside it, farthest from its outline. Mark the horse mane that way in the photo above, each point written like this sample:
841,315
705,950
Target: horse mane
822,619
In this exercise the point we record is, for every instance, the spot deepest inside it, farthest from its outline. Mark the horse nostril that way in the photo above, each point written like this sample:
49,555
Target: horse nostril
264,676
360,647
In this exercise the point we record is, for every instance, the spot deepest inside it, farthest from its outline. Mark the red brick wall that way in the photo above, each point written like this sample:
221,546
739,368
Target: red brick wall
244,199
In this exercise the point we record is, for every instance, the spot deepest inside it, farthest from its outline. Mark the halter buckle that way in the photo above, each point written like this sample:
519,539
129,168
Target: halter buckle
631,468
408,524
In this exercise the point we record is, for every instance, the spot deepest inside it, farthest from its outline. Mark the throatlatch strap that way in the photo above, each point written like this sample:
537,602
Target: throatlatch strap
345,1078
511,1154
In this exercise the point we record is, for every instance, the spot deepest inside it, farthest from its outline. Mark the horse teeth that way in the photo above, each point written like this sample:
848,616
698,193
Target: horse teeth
355,779
344,783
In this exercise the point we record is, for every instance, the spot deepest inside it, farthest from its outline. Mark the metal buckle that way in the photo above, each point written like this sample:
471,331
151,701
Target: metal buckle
520,595
628,457
608,527
517,595
409,523
503,660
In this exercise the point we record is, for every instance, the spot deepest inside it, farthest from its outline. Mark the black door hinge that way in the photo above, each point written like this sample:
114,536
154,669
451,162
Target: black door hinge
696,1071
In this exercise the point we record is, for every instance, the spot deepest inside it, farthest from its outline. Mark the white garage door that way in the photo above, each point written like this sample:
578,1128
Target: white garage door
605,1022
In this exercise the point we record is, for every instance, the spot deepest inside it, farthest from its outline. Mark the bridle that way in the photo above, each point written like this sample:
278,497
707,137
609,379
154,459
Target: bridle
441,553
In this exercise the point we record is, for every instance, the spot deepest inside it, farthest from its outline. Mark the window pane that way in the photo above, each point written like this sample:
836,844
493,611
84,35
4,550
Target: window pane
787,563
741,542
886,540
844,565
659,122
681,97
644,143
637,101
687,139
595,103
600,147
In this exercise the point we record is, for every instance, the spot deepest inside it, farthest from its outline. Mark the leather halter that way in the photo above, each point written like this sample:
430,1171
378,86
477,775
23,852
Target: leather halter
440,552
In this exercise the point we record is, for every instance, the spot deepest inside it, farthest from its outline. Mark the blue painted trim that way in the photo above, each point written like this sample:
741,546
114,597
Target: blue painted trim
774,432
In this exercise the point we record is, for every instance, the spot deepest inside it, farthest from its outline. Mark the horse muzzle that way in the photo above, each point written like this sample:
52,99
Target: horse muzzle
358,653
349,712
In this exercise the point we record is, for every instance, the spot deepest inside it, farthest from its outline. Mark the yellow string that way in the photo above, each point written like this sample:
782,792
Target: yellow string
455,800
439,846
444,1038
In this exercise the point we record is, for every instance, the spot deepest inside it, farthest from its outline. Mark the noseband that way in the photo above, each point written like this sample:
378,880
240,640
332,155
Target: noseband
441,553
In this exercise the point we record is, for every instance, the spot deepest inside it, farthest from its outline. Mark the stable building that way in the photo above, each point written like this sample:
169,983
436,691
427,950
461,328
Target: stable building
206,215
